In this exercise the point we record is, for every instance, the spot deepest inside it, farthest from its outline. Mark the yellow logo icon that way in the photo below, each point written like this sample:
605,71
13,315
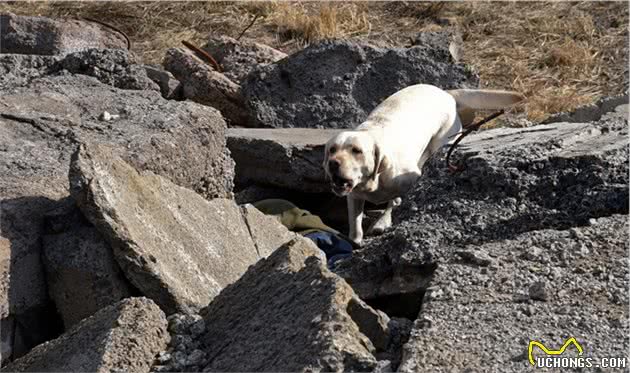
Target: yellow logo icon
566,344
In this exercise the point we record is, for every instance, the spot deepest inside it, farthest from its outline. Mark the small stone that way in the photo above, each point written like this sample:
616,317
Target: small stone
520,298
383,366
181,342
478,257
197,327
175,323
195,357
528,310
164,357
190,319
179,360
538,291
533,253
434,293
106,116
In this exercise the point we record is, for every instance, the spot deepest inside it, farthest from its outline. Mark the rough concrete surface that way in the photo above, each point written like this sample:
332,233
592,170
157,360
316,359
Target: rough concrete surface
335,84
177,248
122,337
46,36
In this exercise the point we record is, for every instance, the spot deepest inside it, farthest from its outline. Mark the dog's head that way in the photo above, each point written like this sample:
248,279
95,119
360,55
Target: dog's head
353,159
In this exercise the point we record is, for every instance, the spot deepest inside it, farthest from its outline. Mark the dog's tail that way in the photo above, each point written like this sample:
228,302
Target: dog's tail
469,100
484,99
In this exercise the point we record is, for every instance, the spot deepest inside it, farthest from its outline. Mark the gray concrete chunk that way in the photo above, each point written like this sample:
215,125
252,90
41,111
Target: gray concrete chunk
47,36
82,275
335,84
176,247
290,313
295,154
122,337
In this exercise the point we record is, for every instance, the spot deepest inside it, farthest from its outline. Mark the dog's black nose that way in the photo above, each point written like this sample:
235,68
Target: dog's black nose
333,165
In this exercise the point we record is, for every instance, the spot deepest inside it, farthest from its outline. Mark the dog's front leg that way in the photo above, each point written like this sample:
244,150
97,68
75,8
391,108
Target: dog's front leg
385,220
355,218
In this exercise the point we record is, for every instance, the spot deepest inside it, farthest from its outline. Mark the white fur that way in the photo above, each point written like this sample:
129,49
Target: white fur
400,135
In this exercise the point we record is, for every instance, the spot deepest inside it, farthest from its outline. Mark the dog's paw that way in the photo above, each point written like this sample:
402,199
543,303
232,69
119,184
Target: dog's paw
376,231
379,227
356,237
357,241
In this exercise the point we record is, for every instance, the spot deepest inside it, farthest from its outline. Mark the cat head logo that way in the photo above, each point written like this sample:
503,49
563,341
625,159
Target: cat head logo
570,341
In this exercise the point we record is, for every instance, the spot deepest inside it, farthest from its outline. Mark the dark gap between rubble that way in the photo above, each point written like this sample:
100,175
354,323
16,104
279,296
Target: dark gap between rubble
330,208
402,299
401,307
406,305
25,331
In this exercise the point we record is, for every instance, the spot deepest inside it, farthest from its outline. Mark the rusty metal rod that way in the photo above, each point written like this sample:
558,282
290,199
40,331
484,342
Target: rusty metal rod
468,130
203,54
89,19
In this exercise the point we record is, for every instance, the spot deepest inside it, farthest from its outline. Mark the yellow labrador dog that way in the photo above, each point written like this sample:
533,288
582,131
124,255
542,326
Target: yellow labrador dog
382,158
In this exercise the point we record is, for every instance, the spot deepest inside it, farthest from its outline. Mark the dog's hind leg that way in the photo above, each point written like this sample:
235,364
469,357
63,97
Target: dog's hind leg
443,137
355,218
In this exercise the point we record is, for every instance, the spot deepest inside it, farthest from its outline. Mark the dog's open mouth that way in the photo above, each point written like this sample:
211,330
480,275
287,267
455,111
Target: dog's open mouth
341,186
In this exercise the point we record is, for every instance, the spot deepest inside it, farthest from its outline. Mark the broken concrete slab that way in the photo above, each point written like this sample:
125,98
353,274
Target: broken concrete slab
176,247
267,235
180,140
22,278
239,57
290,313
82,275
115,67
47,36
592,112
42,120
202,84
122,337
170,87
296,156
39,133
484,317
19,69
335,84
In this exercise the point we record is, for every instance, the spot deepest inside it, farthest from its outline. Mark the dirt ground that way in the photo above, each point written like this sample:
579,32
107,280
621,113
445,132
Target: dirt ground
559,54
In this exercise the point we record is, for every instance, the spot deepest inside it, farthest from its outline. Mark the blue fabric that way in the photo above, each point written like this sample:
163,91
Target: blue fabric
334,247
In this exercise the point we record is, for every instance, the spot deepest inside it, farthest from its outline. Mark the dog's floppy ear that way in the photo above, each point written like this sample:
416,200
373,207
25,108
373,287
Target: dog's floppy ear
381,162
325,162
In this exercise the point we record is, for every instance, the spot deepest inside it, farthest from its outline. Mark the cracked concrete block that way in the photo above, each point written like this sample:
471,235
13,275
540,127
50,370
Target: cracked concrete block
173,245
296,155
289,313
202,84
124,337
82,275
240,57
337,83
47,36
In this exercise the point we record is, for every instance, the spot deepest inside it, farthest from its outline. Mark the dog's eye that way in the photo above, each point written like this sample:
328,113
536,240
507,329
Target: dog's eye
356,150
332,149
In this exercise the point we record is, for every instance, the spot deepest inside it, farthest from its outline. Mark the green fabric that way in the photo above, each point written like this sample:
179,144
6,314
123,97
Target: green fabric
292,217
